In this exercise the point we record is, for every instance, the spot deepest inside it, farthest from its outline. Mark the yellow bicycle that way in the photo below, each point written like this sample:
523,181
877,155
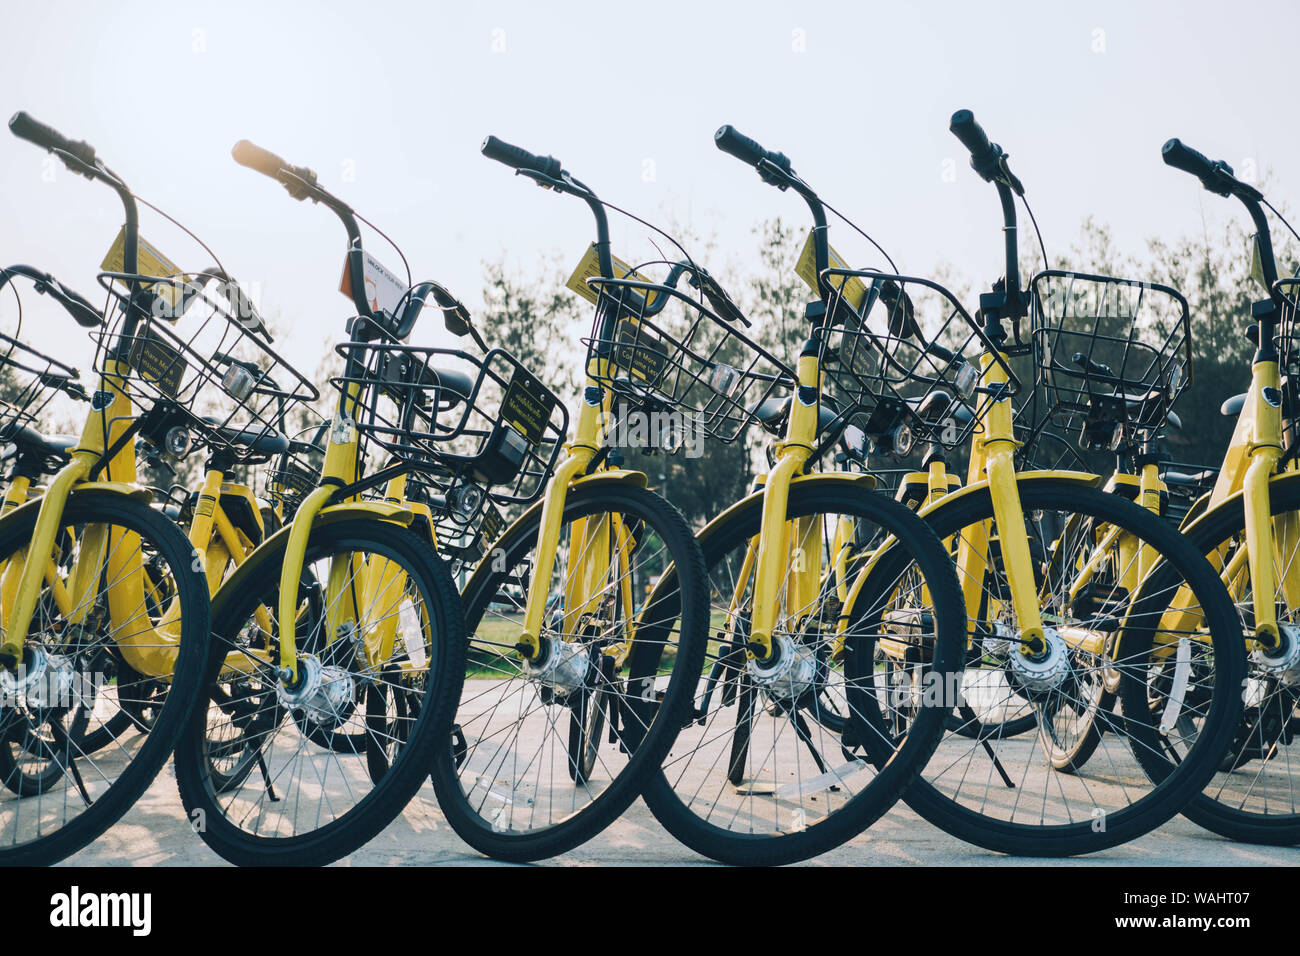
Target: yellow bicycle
338,642
1249,526
103,601
1066,587
810,578
578,677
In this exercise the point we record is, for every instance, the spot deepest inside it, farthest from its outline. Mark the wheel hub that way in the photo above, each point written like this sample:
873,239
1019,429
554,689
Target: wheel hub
323,692
44,680
789,673
1042,672
999,641
1283,661
561,665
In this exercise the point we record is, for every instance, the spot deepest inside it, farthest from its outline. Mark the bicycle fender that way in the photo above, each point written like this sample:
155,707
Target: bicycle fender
274,545
1022,478
615,476
755,498
1234,500
112,487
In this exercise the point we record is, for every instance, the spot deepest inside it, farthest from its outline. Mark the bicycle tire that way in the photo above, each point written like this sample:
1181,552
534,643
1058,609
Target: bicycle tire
648,724
255,583
670,791
1171,788
147,755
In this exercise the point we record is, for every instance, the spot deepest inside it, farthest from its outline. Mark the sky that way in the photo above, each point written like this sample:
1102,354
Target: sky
390,101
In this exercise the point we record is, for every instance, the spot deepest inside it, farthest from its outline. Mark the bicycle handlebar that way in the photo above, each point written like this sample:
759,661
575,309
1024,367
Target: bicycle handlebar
731,140
986,158
24,126
966,128
521,159
299,181
80,158
73,302
1216,176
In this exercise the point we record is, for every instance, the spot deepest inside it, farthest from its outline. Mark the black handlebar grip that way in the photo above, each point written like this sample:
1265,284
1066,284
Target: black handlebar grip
256,158
1182,156
518,158
967,129
732,141
25,127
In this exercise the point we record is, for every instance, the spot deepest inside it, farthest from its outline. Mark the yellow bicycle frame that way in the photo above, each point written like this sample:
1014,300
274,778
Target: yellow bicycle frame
1249,466
149,649
378,583
589,538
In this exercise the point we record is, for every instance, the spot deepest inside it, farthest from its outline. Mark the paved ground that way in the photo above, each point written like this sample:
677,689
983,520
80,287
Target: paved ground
154,833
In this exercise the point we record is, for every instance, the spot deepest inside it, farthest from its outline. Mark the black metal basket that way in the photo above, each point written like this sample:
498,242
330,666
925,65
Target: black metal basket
1186,484
291,475
486,421
1288,292
900,356
31,379
661,350
467,519
195,356
1112,355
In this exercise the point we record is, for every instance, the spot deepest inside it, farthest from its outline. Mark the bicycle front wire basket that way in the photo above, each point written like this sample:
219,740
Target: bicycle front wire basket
1112,355
486,422
900,353
293,474
660,350
1288,292
191,353
466,521
29,379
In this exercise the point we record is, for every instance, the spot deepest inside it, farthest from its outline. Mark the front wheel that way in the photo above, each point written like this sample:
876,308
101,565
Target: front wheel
59,793
259,770
532,773
1128,603
1254,796
770,768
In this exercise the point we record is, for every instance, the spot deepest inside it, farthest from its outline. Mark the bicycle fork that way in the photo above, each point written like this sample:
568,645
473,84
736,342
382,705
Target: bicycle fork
994,450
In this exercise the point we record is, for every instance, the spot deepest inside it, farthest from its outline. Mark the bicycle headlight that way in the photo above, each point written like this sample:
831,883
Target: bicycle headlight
467,499
1116,437
177,441
903,440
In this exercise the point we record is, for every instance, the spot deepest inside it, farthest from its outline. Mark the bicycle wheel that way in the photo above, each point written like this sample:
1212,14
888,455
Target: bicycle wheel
1254,796
764,773
60,795
525,785
257,768
1178,682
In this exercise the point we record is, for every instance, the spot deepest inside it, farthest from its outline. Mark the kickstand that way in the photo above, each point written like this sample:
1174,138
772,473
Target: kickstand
62,742
801,728
266,776
969,715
